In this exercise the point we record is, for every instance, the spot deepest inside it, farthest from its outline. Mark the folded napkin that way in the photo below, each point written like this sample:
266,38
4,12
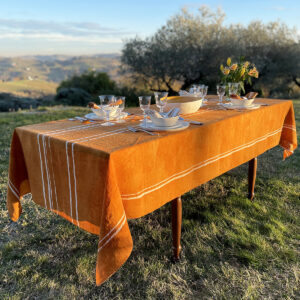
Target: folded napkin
248,96
174,112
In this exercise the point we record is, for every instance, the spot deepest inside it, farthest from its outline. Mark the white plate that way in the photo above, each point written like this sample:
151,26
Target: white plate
95,117
231,106
180,125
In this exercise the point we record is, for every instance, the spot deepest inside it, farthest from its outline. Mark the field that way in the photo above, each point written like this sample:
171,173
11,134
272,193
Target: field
28,88
232,248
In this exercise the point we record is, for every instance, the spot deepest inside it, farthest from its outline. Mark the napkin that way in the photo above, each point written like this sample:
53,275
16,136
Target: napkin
93,105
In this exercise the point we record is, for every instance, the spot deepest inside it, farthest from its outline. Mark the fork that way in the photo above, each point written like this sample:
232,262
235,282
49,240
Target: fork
140,129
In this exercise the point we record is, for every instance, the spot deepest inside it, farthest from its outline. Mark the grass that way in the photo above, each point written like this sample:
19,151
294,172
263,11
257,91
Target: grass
28,88
232,248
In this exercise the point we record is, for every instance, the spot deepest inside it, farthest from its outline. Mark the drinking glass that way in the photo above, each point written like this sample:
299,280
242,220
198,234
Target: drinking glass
221,92
144,105
161,100
233,88
204,93
121,107
107,105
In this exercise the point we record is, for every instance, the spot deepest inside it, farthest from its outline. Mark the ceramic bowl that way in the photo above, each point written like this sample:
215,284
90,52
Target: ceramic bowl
243,102
164,122
99,112
187,105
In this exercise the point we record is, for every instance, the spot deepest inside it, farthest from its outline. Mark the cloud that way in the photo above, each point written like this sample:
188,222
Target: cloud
61,31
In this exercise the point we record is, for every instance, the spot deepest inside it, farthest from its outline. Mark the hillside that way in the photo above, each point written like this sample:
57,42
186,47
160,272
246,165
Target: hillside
28,88
36,76
55,68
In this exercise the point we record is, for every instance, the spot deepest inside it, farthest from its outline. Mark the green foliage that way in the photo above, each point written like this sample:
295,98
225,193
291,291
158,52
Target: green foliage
73,96
92,82
190,48
81,89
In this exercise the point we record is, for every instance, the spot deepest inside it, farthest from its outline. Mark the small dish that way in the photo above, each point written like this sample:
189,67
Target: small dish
165,122
99,112
243,102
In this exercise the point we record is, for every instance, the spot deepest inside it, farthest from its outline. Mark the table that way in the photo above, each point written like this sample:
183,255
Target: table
99,177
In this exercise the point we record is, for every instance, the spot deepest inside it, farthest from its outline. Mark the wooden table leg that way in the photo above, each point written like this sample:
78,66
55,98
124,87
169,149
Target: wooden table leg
252,177
176,226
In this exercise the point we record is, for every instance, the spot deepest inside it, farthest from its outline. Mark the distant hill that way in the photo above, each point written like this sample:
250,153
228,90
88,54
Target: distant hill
55,67
28,88
35,76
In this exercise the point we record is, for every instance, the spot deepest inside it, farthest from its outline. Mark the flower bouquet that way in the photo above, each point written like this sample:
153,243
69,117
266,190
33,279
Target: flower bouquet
234,75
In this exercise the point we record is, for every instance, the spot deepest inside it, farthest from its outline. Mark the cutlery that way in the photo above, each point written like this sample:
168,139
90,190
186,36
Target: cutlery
81,119
140,129
191,122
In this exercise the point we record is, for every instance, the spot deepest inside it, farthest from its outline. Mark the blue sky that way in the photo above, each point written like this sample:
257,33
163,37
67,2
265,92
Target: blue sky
81,27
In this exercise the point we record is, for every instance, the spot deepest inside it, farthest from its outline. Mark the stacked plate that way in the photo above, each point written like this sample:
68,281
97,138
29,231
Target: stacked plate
230,105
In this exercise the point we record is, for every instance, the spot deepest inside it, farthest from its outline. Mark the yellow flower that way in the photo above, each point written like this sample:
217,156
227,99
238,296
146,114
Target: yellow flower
246,64
256,74
252,72
233,67
222,68
242,71
228,61
226,71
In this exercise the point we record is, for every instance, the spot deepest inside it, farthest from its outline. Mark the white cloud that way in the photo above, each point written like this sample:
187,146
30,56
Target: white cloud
87,32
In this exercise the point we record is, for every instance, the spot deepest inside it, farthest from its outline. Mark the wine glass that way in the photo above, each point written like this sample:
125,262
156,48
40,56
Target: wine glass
144,105
221,92
120,100
161,100
107,105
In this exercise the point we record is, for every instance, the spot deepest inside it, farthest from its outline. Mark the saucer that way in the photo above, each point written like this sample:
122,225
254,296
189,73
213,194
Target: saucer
240,107
180,125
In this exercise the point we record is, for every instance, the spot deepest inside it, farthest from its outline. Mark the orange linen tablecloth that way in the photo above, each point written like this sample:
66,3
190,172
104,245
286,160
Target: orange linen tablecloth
99,177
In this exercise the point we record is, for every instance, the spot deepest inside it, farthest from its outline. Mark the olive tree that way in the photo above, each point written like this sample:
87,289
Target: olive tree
191,46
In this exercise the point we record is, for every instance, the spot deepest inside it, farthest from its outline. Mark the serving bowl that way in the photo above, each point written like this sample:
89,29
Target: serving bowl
187,105
164,122
244,102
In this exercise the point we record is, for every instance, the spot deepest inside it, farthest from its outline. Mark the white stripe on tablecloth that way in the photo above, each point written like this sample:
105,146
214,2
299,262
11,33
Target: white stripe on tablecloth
12,185
75,188
197,166
17,196
47,173
42,172
116,232
53,174
109,233
69,179
289,127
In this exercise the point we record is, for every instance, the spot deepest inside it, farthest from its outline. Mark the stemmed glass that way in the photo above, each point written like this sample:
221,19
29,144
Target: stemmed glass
144,105
107,105
120,100
221,92
161,100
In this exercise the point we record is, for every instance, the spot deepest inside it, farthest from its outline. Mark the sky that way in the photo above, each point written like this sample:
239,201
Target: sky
86,27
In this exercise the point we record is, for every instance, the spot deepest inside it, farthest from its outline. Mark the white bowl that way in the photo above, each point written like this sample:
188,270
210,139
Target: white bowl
187,105
243,102
164,122
99,112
